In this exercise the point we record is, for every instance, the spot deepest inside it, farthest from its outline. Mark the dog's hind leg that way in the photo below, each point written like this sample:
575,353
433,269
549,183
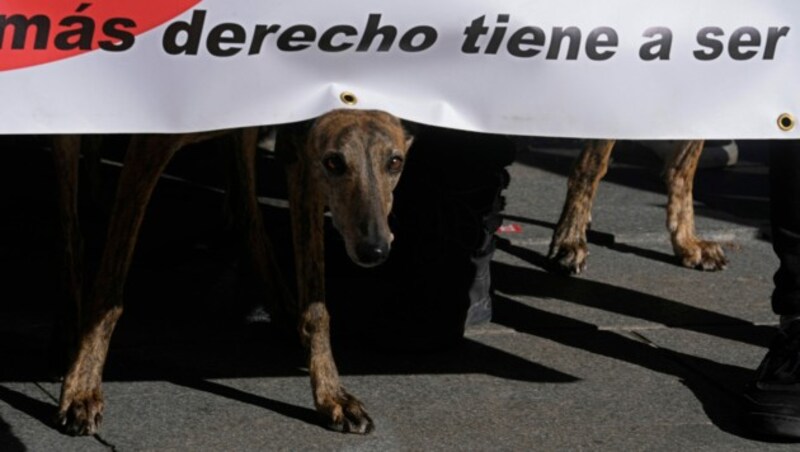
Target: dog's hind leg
679,174
243,202
342,411
568,248
92,164
81,404
66,158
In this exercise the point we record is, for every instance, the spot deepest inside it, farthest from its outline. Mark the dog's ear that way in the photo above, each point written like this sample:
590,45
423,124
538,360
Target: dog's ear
410,129
409,141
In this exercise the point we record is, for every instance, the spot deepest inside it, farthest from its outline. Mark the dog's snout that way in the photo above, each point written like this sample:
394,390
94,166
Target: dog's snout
370,253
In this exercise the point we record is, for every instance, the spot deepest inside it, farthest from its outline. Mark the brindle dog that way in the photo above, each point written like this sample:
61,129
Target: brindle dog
348,160
94,317
568,247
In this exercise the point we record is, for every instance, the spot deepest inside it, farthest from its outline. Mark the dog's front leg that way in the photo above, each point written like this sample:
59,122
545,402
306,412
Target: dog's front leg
66,158
342,411
568,248
81,405
679,174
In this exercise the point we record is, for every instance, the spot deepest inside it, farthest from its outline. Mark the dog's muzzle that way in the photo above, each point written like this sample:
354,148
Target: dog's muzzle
370,254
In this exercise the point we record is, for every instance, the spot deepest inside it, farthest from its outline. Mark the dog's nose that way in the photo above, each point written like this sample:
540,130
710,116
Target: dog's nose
370,254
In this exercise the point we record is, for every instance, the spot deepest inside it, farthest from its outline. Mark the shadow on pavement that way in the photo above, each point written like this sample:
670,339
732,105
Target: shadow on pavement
514,280
181,323
9,442
722,405
717,386
306,415
596,238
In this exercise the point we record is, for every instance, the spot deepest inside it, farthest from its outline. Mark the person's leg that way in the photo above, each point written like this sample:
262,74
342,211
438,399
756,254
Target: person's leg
785,213
773,397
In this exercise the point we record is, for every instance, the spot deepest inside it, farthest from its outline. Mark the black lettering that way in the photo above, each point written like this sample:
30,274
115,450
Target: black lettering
714,46
192,31
21,26
76,38
525,36
474,31
574,34
497,35
429,36
259,35
742,38
326,40
773,35
120,39
659,48
601,37
217,36
388,32
295,38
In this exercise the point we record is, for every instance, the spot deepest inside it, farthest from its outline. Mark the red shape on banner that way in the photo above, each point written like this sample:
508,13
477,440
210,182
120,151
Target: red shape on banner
34,32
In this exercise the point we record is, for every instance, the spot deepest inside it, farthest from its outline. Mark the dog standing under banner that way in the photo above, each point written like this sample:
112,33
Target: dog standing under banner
347,160
94,313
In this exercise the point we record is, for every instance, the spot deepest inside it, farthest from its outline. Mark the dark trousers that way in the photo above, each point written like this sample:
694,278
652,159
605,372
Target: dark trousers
785,216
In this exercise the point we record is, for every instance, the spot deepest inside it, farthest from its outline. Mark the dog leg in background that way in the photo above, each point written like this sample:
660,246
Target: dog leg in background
81,404
242,199
92,165
568,248
344,412
679,172
66,158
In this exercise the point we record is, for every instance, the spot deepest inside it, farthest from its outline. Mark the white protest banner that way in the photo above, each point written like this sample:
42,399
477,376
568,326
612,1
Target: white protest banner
635,69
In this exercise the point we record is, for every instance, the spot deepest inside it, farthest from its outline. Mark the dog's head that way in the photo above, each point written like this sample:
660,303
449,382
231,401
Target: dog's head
358,156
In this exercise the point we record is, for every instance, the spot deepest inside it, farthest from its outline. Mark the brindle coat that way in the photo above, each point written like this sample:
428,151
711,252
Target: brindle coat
349,160
81,405
568,247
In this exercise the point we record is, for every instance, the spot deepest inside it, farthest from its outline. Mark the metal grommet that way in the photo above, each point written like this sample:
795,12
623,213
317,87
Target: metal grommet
348,98
786,122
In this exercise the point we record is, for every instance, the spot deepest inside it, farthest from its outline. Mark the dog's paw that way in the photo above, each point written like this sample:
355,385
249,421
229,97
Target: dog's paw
704,255
82,415
569,258
346,414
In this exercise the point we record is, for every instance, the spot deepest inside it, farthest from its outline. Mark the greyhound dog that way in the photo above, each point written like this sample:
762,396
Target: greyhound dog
94,317
349,160
568,247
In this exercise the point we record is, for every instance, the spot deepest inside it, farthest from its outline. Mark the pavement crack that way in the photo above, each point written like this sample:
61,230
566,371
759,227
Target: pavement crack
676,359
46,392
641,338
105,443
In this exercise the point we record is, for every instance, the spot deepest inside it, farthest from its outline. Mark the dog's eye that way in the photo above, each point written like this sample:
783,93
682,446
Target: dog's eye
395,164
335,164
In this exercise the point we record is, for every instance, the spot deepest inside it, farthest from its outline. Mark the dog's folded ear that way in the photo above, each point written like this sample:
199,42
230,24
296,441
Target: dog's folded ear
411,130
409,140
